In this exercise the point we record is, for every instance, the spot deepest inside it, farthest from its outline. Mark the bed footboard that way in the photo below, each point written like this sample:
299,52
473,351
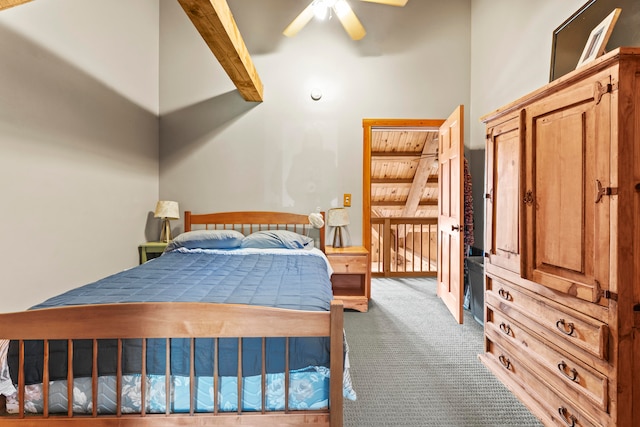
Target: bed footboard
168,321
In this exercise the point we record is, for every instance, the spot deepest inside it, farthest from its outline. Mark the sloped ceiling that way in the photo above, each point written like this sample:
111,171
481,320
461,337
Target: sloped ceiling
404,173
215,23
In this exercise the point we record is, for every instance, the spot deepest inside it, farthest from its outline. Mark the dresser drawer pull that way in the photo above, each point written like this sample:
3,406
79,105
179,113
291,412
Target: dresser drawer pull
564,327
570,420
504,294
506,329
505,361
562,367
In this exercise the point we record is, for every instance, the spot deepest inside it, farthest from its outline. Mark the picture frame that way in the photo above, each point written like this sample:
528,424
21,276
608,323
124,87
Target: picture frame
598,38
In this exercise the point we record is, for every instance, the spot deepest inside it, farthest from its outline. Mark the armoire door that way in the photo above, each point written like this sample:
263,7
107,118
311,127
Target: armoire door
502,206
568,190
451,213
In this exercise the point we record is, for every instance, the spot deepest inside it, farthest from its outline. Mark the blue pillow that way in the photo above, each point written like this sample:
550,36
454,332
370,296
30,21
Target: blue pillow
207,239
277,239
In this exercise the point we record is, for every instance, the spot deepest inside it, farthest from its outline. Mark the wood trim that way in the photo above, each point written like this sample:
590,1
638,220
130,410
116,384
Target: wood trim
214,21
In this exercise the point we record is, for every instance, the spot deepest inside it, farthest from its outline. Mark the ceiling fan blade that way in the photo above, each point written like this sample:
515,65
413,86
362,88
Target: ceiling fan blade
389,2
300,21
349,20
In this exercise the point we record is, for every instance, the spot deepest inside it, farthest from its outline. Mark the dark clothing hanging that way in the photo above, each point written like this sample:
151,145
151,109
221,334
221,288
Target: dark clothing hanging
468,210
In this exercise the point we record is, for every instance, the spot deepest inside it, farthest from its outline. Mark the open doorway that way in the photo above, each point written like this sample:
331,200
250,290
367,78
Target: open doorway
413,223
400,196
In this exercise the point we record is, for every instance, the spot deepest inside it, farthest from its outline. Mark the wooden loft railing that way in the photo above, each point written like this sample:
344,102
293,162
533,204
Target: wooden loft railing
403,247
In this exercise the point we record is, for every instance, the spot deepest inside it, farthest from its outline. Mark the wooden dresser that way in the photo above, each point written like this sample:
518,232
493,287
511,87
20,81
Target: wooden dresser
562,245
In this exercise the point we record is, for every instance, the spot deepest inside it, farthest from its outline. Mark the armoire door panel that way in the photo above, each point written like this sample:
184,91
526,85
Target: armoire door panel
560,192
567,153
503,194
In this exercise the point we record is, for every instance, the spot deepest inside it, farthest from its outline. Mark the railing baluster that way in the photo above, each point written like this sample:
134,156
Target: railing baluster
167,376
239,376
400,248
119,379
69,378
45,380
192,376
286,375
21,381
94,378
216,345
264,375
143,379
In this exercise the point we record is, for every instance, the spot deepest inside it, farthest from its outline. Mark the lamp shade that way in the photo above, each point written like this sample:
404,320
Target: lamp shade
338,217
167,209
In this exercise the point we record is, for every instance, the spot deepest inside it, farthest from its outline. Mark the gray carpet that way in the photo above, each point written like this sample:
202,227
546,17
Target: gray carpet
412,365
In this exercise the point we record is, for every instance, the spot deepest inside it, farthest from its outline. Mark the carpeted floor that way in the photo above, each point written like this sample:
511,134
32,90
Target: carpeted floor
412,365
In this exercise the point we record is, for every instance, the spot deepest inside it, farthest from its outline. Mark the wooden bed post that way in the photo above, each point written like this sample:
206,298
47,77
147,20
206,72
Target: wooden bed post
337,364
187,221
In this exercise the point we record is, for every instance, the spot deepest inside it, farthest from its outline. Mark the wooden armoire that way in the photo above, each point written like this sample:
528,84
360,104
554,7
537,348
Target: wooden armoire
562,245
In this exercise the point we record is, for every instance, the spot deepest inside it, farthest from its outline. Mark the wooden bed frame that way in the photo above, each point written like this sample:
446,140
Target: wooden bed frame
182,320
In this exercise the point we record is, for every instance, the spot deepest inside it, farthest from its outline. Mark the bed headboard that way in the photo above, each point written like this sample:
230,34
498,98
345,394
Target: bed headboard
250,221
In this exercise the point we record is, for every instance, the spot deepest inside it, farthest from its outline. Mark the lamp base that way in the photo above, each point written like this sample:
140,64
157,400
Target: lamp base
165,234
337,238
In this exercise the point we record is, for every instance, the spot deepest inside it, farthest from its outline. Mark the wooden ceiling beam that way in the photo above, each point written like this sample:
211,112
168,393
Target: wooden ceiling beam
401,182
419,180
401,205
6,4
215,23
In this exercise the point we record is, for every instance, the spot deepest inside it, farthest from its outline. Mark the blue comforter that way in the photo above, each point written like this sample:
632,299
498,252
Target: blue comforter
284,278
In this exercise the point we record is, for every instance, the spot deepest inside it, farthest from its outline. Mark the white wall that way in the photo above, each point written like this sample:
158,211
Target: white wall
78,142
221,153
510,57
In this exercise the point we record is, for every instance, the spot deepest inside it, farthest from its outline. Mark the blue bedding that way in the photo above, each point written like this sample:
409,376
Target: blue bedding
284,278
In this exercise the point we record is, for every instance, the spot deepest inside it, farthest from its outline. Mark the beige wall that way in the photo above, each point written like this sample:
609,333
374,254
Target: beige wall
289,152
510,57
78,142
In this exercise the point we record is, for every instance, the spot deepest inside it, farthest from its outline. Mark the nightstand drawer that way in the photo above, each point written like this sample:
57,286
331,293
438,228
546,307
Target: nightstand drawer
349,264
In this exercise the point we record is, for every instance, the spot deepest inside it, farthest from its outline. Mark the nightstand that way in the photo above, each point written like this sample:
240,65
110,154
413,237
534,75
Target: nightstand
151,250
351,279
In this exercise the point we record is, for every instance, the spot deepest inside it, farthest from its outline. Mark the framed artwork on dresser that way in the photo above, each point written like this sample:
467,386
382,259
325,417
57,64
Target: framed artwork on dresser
598,38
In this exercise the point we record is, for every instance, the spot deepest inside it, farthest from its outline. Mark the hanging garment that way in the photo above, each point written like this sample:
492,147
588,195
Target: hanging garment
468,209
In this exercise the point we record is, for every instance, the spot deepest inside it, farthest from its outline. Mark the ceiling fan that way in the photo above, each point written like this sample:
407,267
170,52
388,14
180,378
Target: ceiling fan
325,8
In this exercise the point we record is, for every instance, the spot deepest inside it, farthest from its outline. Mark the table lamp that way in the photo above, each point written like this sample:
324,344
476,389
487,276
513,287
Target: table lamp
338,218
166,210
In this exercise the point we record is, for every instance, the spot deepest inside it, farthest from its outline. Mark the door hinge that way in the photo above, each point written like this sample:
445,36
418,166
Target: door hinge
604,191
610,295
601,90
528,198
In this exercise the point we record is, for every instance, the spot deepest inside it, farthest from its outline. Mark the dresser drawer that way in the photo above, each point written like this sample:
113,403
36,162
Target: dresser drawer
508,366
586,386
554,322
348,264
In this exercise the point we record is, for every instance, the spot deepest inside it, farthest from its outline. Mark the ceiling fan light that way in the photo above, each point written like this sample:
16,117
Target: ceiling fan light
341,7
320,9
